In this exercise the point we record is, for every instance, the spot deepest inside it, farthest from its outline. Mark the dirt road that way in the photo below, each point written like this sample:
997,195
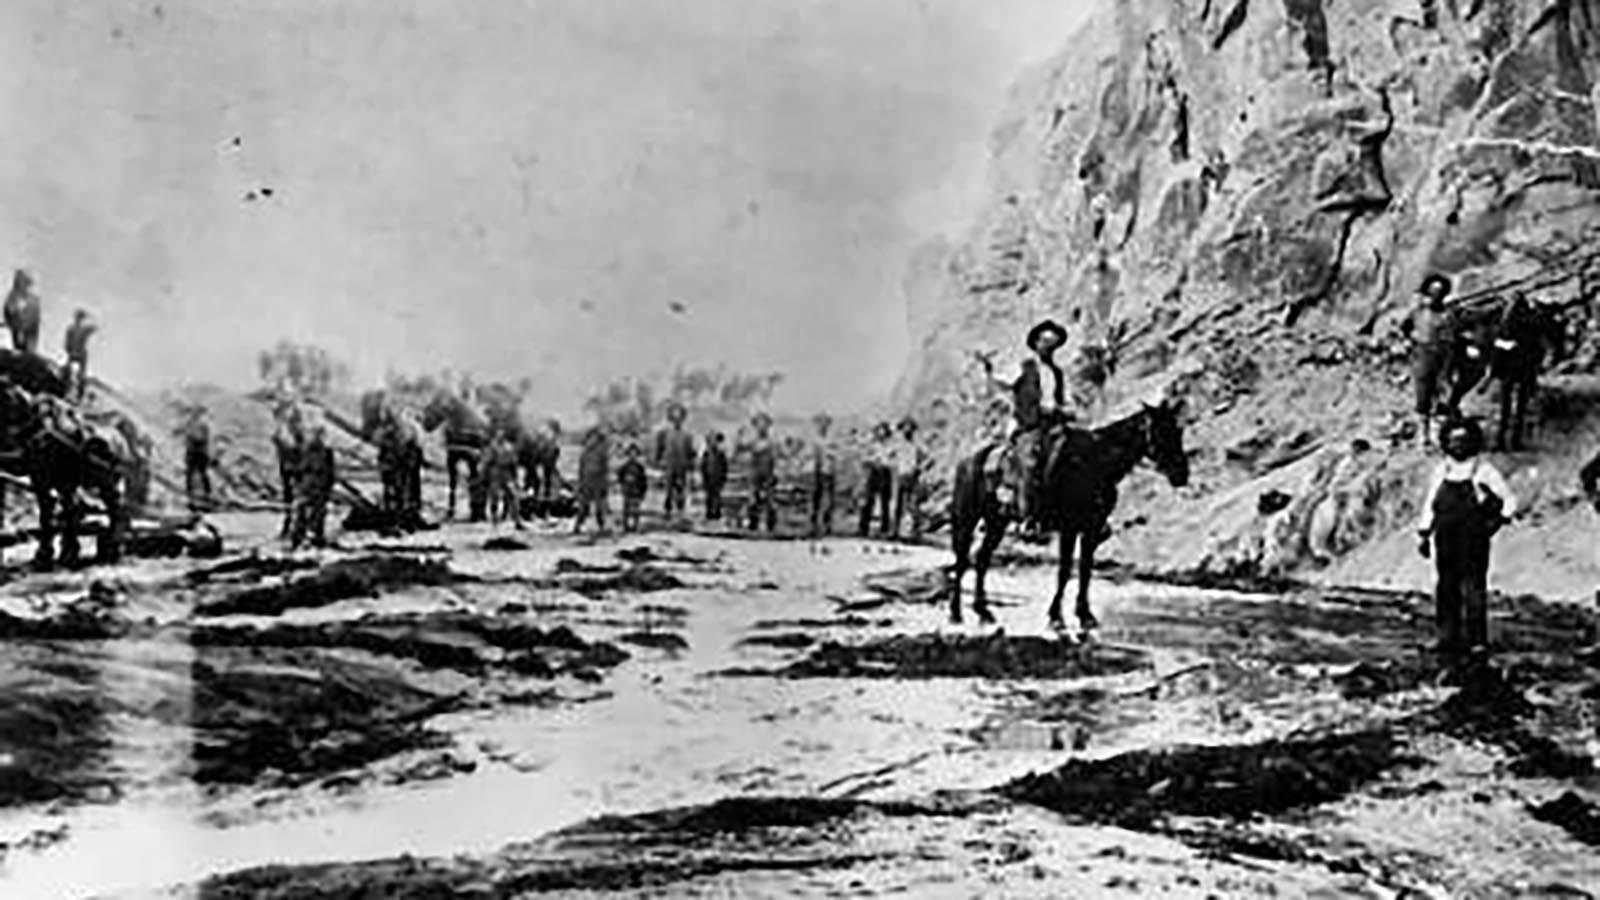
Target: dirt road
693,716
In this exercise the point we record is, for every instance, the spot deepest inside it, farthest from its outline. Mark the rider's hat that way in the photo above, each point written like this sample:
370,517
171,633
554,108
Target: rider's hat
1043,328
1434,280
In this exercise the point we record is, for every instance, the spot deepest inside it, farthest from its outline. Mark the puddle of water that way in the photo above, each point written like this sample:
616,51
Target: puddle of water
670,734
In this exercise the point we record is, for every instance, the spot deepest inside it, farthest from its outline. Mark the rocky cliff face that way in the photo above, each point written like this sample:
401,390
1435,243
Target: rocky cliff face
1248,192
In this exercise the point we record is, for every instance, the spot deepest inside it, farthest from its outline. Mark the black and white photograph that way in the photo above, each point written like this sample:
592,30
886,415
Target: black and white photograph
507,449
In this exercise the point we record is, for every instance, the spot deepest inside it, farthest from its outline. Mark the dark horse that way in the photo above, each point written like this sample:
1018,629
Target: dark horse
1078,494
466,434
1508,347
62,453
538,452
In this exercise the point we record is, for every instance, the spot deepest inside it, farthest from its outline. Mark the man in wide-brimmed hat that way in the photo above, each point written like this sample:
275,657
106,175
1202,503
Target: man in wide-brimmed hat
675,455
763,452
1431,329
824,453
1039,402
908,461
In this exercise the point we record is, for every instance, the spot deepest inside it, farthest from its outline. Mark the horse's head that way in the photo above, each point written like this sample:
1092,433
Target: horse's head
1163,441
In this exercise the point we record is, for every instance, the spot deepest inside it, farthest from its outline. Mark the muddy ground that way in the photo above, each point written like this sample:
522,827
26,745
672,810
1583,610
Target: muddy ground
690,715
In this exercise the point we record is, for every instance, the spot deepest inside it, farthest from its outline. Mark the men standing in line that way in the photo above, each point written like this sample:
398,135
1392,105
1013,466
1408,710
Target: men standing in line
314,479
1431,330
907,459
714,475
594,479
197,460
286,441
674,453
76,345
763,474
634,483
879,482
22,313
500,465
824,476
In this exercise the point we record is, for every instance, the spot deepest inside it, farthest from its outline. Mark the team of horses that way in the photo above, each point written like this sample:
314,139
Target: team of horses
64,453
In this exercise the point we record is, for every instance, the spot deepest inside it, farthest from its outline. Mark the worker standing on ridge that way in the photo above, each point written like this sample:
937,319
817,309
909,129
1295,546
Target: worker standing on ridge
76,345
22,313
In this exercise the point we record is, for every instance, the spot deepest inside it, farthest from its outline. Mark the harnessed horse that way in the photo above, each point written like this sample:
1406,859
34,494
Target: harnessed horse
1076,498
61,452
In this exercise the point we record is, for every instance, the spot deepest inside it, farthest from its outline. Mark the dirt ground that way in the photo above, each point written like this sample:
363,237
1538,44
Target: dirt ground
683,715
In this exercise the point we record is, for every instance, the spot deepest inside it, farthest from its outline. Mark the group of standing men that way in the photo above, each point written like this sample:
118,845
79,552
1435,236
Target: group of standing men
892,474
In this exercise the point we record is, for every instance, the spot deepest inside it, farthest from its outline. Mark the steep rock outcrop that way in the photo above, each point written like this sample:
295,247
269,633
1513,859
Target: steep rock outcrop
1248,191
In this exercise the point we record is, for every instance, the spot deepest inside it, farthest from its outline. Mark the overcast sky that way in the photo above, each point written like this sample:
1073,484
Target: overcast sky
517,187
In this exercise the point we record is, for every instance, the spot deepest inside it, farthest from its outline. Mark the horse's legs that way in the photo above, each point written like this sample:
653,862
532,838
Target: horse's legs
450,463
1067,545
1508,387
961,542
994,528
109,548
71,524
1086,620
1526,391
44,556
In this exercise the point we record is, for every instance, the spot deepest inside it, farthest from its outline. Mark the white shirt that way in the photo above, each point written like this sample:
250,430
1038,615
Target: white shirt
1480,472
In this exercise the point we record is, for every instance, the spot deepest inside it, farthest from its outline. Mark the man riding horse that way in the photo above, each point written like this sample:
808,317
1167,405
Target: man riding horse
1039,405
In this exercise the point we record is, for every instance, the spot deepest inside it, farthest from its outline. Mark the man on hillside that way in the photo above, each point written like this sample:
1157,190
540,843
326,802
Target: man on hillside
76,345
196,434
674,454
1432,332
22,313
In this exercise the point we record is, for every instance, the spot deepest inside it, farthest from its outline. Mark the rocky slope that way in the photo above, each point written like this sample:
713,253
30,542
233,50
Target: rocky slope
1241,196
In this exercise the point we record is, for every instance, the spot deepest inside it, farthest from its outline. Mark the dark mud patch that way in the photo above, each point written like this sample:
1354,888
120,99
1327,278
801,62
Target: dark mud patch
643,554
447,640
1292,631
611,853
656,640
506,544
53,738
250,568
598,581
960,656
1138,789
345,579
788,640
851,621
302,714
1578,816
74,622
1371,680
1490,708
